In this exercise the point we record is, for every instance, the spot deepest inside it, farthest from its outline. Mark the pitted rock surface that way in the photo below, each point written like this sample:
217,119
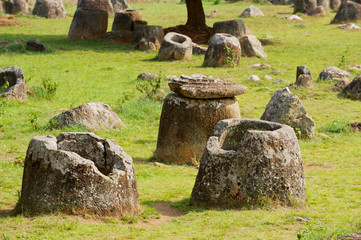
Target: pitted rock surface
12,83
205,87
78,172
35,45
93,116
286,108
353,89
303,77
186,123
333,73
249,162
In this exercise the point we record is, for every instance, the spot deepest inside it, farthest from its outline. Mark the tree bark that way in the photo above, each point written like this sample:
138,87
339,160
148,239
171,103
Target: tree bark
196,17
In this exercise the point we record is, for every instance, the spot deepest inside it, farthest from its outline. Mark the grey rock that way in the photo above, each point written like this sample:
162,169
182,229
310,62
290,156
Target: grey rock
293,18
233,27
252,11
319,10
302,70
88,24
350,236
175,46
186,123
77,173
303,77
304,6
354,67
12,83
147,37
125,20
147,76
224,49
251,46
261,66
340,85
286,108
35,45
350,26
283,2
250,162
253,78
93,116
119,5
199,86
196,49
15,6
278,81
333,73
353,89
104,5
268,77
323,3
49,9
349,11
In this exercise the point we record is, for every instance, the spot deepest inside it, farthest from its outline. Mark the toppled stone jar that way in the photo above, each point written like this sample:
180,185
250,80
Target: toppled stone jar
12,83
250,162
78,172
190,114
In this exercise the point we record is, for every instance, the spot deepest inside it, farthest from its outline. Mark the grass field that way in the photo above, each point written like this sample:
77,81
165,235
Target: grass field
95,70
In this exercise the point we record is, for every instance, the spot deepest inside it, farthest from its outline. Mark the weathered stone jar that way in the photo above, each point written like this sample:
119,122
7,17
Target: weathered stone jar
250,162
78,172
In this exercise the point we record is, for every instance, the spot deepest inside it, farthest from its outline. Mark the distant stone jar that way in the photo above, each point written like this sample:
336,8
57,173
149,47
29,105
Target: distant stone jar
49,9
175,46
250,162
12,83
190,114
77,173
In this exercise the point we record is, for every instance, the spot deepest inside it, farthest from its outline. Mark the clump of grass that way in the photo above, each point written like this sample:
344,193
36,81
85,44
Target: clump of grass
47,90
337,126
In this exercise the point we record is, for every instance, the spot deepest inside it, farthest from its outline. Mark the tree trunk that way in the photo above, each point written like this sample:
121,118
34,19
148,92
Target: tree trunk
196,17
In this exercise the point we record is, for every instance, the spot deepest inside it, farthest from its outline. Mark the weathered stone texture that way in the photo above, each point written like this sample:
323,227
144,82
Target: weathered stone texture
286,108
250,162
252,11
333,73
49,9
125,20
353,89
175,46
147,37
15,6
104,5
348,11
93,116
12,83
78,172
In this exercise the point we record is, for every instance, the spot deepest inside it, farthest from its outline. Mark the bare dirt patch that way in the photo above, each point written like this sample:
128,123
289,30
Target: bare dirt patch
8,21
318,167
166,214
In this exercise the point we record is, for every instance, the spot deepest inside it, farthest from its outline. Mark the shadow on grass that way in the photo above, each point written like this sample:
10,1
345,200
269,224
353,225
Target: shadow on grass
60,42
4,213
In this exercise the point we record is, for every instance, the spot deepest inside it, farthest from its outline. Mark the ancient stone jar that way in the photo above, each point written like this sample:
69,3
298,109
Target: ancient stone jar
49,9
234,27
353,89
223,50
147,37
286,108
175,46
78,172
119,5
252,11
303,77
250,162
348,11
190,114
88,24
125,20
92,116
104,5
15,6
333,73
304,5
12,83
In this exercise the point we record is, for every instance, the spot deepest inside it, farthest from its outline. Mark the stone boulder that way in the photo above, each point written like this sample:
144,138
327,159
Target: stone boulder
88,24
353,89
147,37
92,116
340,85
250,162
303,77
35,45
198,86
348,11
189,116
12,83
49,9
125,20
15,6
224,49
77,173
120,37
335,4
104,5
233,27
251,11
147,76
303,6
293,18
196,49
251,46
349,26
286,108
175,46
319,10
119,5
333,73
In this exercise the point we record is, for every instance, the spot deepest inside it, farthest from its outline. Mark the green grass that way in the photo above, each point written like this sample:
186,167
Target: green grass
96,70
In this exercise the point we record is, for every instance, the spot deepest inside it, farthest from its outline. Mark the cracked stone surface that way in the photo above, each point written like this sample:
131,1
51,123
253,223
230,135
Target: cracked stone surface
78,172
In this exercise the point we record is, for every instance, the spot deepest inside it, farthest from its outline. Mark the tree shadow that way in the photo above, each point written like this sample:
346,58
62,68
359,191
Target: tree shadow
60,43
8,212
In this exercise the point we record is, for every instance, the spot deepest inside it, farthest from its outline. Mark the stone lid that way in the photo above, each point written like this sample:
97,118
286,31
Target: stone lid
204,87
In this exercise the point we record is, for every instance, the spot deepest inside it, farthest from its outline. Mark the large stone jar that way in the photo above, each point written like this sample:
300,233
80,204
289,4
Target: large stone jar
250,162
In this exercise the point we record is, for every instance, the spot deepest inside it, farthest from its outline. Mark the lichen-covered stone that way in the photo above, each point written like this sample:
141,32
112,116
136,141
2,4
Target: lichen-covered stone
250,162
49,9
120,37
333,73
185,125
353,89
78,172
205,87
12,83
93,116
233,27
175,46
286,108
223,49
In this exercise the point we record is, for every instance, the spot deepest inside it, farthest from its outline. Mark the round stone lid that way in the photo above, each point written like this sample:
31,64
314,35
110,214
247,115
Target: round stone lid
204,87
